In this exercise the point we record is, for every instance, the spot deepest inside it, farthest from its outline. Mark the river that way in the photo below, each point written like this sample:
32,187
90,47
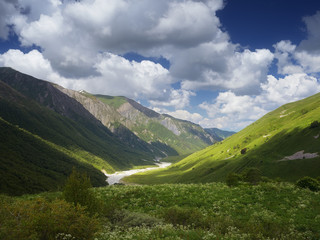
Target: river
117,176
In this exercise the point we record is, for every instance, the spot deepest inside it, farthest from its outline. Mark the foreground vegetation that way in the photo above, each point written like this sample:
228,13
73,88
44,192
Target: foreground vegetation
171,211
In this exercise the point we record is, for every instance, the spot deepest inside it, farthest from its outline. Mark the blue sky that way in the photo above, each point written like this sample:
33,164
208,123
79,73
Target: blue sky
216,63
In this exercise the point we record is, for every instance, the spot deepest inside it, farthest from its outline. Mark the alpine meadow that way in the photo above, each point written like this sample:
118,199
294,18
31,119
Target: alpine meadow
147,120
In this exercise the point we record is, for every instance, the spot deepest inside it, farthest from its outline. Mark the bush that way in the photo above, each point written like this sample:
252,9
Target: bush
183,216
314,124
41,219
125,218
77,191
233,179
243,151
252,175
266,179
309,183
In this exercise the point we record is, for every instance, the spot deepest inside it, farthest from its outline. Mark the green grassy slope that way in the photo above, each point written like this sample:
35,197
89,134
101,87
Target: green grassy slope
278,134
30,164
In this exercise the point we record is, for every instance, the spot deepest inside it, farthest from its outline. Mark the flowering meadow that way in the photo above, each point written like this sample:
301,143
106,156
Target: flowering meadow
268,210
212,211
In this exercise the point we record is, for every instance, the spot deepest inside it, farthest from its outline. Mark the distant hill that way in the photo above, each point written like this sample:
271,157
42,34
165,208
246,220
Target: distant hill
143,128
218,133
285,143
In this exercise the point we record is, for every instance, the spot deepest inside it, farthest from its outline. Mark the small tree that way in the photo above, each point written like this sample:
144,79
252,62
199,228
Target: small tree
243,151
252,175
314,124
309,183
77,191
43,219
233,179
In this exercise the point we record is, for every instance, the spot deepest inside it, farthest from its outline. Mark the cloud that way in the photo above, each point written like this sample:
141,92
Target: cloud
302,58
310,62
291,59
288,89
32,63
174,98
230,110
221,67
7,9
285,54
137,80
116,26
312,43
185,24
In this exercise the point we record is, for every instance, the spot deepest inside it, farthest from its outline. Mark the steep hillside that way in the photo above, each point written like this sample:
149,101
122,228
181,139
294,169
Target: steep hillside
284,143
143,128
30,164
34,109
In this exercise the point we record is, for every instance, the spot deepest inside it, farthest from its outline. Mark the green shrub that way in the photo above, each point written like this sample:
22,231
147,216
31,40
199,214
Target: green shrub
309,183
77,191
183,216
252,175
266,179
243,151
314,124
41,219
125,218
233,179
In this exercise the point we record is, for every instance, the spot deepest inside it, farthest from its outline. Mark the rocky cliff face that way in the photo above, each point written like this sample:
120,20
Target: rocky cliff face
99,110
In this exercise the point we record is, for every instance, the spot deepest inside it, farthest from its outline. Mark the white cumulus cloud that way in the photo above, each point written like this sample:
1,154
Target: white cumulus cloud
174,98
226,69
32,63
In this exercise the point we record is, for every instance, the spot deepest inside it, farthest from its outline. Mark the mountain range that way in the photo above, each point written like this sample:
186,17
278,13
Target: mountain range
46,130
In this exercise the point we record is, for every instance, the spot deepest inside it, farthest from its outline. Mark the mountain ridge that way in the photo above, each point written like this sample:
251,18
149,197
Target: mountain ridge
218,133
145,124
